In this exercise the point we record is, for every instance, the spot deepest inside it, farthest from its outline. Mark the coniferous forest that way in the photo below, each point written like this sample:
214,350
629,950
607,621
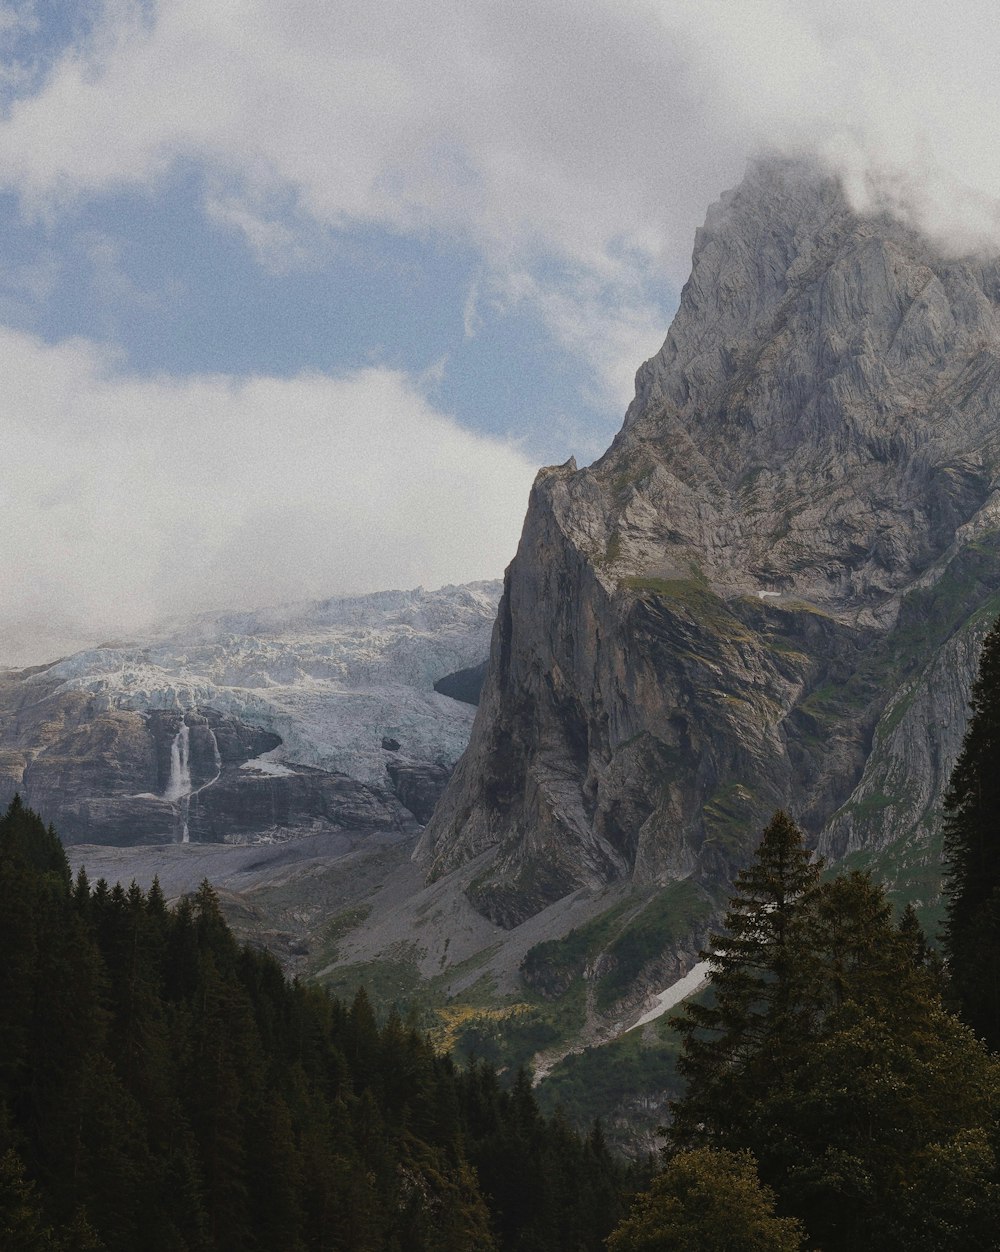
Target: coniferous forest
164,1088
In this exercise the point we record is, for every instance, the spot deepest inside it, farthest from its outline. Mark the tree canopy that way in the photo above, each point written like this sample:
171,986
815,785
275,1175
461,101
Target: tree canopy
825,1051
707,1201
972,855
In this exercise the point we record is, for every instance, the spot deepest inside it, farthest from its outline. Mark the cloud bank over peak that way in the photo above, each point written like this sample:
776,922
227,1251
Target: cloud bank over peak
596,132
135,499
898,99
565,151
574,146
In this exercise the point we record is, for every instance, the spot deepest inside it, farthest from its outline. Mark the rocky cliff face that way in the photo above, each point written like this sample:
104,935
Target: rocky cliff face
769,590
249,727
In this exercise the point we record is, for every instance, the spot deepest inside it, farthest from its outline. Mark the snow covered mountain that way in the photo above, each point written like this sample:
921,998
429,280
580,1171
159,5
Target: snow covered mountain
246,726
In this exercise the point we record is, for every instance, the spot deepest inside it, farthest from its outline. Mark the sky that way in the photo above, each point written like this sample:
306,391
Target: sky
295,298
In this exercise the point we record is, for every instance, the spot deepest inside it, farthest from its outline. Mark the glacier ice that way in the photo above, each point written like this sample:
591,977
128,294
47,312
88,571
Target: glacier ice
332,678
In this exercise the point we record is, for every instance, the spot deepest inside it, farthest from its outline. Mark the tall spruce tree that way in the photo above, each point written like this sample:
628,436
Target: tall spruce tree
972,855
736,1041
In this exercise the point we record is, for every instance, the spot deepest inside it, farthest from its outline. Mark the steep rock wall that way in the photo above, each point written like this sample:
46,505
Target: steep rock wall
769,590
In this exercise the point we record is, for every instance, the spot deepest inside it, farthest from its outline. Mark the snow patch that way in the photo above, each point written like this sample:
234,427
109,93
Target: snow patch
693,981
265,764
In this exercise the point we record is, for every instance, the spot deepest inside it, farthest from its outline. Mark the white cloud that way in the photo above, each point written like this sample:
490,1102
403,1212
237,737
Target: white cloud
574,144
550,127
537,132
899,98
130,499
471,320
278,246
590,133
609,327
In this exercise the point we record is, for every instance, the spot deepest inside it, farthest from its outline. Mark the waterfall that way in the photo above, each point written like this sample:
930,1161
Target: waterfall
216,758
180,789
217,762
179,783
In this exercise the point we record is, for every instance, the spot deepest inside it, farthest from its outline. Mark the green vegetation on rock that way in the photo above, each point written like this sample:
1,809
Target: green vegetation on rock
693,597
626,1083
673,915
392,981
617,944
339,925
551,967
727,813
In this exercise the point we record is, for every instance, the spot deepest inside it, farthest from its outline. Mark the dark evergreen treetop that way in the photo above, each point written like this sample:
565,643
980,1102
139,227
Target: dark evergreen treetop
972,854
25,838
753,967
825,1051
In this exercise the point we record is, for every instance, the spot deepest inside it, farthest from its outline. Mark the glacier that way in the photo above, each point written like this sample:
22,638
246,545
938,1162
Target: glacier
332,678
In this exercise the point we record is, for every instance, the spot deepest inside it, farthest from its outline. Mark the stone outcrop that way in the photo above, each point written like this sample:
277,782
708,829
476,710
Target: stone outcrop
418,787
769,591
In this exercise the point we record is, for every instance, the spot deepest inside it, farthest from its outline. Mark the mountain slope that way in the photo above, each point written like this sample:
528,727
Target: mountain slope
769,589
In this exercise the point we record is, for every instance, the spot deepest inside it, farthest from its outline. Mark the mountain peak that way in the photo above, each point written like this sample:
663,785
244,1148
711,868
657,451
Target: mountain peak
825,390
754,239
786,246
715,619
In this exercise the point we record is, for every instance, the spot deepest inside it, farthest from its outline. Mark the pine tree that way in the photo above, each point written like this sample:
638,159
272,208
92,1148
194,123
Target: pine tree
912,933
25,837
972,854
828,1055
882,1076
736,1041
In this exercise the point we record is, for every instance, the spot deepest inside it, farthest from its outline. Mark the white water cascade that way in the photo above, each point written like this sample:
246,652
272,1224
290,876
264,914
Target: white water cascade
180,788
179,783
217,762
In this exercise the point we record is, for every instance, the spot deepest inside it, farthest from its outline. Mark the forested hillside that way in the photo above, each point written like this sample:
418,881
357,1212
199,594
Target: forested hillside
163,1088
